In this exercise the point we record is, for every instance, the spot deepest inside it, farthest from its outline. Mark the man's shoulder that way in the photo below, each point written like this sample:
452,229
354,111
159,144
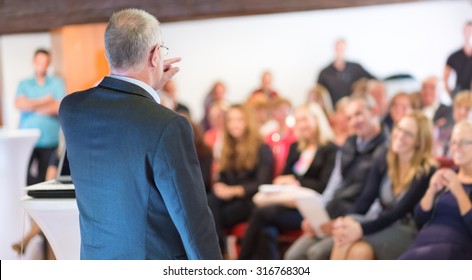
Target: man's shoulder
27,81
350,141
69,102
54,79
458,52
76,94
354,65
457,55
327,68
329,147
146,106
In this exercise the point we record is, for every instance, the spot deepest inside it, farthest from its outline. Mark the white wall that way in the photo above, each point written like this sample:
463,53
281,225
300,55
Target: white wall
17,58
387,39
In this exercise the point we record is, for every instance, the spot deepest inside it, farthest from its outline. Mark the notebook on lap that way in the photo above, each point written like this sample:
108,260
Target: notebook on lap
61,187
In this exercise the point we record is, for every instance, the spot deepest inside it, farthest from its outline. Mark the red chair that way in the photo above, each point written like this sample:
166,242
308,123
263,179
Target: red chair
233,239
236,234
445,162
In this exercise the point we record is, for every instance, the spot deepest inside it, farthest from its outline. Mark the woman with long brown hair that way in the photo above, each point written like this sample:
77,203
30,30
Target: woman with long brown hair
246,162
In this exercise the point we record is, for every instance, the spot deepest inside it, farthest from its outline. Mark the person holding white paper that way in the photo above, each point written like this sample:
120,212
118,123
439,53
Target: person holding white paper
397,182
348,178
309,164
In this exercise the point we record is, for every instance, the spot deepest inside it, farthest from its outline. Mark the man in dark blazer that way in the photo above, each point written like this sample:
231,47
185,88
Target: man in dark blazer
138,184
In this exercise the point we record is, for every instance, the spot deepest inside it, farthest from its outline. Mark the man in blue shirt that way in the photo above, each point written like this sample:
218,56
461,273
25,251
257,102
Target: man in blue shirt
38,98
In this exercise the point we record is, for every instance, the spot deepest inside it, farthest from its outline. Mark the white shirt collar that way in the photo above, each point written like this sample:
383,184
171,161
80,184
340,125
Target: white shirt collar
139,83
430,110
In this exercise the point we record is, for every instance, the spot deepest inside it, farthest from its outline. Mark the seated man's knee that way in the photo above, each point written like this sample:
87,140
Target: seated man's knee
320,251
295,254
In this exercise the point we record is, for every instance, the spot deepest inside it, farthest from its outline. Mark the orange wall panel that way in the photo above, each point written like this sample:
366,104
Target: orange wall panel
79,55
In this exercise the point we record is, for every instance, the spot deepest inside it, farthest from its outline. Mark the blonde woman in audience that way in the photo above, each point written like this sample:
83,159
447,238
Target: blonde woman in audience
461,109
339,122
445,211
246,162
462,105
320,95
401,104
309,164
395,185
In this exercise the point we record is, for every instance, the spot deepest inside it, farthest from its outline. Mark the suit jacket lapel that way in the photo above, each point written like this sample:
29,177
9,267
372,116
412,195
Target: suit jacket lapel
125,87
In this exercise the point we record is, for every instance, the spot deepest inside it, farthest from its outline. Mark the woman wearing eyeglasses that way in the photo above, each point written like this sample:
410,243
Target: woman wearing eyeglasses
382,225
445,211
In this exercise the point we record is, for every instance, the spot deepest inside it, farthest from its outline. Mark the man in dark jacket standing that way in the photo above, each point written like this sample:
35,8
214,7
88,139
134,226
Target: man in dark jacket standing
138,184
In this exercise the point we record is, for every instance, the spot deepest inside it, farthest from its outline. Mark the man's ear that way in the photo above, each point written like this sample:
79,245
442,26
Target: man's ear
154,57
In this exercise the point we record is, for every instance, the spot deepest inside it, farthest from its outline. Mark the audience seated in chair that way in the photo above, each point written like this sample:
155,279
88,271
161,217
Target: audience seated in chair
349,175
246,162
309,164
381,223
445,211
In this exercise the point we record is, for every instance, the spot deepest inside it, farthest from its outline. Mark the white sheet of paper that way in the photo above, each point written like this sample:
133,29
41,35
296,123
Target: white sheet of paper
312,208
270,188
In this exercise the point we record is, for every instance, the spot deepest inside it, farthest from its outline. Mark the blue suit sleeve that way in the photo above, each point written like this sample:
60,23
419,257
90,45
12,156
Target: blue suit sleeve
181,185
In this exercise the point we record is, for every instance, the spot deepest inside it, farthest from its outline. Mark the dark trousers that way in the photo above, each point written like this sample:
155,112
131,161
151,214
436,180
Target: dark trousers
228,214
265,225
38,165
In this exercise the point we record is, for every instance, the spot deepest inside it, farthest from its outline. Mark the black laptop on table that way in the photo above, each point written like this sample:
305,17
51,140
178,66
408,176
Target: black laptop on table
61,187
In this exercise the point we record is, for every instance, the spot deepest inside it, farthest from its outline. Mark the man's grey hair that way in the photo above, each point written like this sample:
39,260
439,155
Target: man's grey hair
365,98
129,37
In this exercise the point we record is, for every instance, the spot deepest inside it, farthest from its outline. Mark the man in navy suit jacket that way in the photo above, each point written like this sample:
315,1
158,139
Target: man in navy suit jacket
138,184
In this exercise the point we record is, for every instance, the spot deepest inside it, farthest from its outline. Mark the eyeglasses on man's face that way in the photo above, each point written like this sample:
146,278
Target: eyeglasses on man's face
460,143
163,49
